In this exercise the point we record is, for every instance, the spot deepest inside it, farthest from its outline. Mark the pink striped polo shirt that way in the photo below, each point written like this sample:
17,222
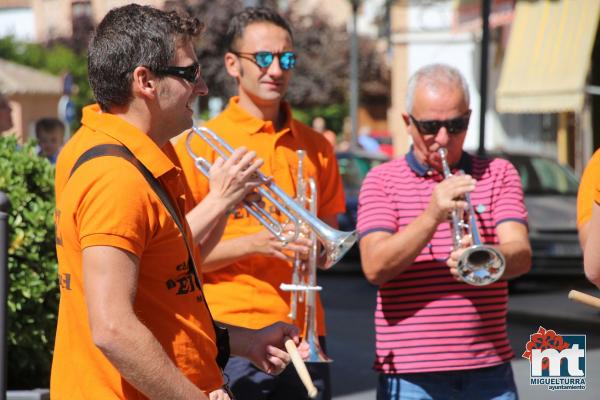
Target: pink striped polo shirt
425,320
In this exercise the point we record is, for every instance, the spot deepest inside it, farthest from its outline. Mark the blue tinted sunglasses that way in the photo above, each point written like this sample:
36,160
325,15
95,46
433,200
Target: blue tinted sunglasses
264,59
189,73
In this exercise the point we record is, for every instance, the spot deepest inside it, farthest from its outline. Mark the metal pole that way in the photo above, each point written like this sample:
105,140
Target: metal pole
485,39
354,78
4,206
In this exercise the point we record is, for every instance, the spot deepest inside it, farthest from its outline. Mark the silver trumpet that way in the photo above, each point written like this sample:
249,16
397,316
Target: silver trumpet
304,277
479,264
302,200
335,243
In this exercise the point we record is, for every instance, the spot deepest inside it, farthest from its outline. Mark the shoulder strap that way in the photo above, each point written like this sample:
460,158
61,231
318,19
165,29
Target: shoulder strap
116,150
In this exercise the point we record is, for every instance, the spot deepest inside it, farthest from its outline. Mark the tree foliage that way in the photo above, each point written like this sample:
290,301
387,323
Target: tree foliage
215,14
28,180
321,77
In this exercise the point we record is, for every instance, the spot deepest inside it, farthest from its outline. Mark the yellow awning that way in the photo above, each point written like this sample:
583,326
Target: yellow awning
548,56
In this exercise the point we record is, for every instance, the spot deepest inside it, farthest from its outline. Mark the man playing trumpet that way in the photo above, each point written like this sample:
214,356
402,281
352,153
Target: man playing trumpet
437,336
244,273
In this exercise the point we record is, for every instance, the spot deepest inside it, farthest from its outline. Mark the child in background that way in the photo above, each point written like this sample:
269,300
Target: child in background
50,135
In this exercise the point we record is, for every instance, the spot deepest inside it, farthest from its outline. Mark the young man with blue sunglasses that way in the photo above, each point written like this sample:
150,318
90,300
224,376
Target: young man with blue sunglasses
244,272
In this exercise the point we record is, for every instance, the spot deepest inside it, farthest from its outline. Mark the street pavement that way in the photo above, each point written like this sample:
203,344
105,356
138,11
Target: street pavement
350,301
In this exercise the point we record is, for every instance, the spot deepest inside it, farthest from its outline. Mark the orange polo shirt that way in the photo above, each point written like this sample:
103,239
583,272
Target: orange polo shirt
587,189
107,202
246,293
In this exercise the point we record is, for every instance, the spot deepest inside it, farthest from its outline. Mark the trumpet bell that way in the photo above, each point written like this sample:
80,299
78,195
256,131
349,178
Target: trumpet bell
336,243
481,265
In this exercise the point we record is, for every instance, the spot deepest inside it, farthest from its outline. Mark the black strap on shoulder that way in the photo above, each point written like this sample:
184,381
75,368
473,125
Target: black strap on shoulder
116,150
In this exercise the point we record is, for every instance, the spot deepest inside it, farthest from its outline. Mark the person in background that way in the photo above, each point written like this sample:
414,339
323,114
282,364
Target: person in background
319,125
346,142
366,141
244,272
50,133
6,121
437,336
588,218
133,321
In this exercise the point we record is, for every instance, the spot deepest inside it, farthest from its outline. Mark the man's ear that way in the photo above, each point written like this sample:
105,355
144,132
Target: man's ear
406,119
232,64
144,82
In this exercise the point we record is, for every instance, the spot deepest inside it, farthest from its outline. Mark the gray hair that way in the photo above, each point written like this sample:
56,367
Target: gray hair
435,75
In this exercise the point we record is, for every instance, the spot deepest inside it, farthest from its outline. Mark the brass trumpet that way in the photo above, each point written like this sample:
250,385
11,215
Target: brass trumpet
335,243
304,278
480,264
302,199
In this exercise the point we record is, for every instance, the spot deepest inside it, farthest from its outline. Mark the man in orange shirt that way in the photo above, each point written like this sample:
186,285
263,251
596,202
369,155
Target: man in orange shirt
133,321
243,274
591,255
588,218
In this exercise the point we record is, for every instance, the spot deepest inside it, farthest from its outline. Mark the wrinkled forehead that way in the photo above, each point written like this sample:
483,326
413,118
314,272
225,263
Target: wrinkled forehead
440,95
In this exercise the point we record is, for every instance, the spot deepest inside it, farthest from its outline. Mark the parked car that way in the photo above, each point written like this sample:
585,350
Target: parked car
353,169
551,198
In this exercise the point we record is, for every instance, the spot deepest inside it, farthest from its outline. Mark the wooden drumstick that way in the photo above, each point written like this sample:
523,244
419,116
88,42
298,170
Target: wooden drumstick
290,346
584,298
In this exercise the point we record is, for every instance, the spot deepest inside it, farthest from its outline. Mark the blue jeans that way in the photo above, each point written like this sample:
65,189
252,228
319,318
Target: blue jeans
477,384
249,383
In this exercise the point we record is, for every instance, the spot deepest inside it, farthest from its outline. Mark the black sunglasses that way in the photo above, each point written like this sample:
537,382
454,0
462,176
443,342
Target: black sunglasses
432,127
264,59
189,73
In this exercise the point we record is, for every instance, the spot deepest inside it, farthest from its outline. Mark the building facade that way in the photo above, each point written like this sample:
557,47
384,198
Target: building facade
537,96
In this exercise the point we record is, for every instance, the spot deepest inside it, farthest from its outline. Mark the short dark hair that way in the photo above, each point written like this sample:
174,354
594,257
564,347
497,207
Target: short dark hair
252,15
132,36
45,125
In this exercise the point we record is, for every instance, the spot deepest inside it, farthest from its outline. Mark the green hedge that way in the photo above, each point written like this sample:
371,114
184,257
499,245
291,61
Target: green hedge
33,294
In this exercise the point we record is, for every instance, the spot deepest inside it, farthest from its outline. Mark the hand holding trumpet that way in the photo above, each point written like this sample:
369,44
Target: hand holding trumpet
266,244
448,195
232,180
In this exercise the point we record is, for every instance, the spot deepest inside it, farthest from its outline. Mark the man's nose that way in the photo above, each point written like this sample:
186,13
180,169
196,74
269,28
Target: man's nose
442,137
275,67
200,87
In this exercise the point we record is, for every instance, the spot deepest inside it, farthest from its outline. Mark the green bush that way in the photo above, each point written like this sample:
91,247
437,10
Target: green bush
28,182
